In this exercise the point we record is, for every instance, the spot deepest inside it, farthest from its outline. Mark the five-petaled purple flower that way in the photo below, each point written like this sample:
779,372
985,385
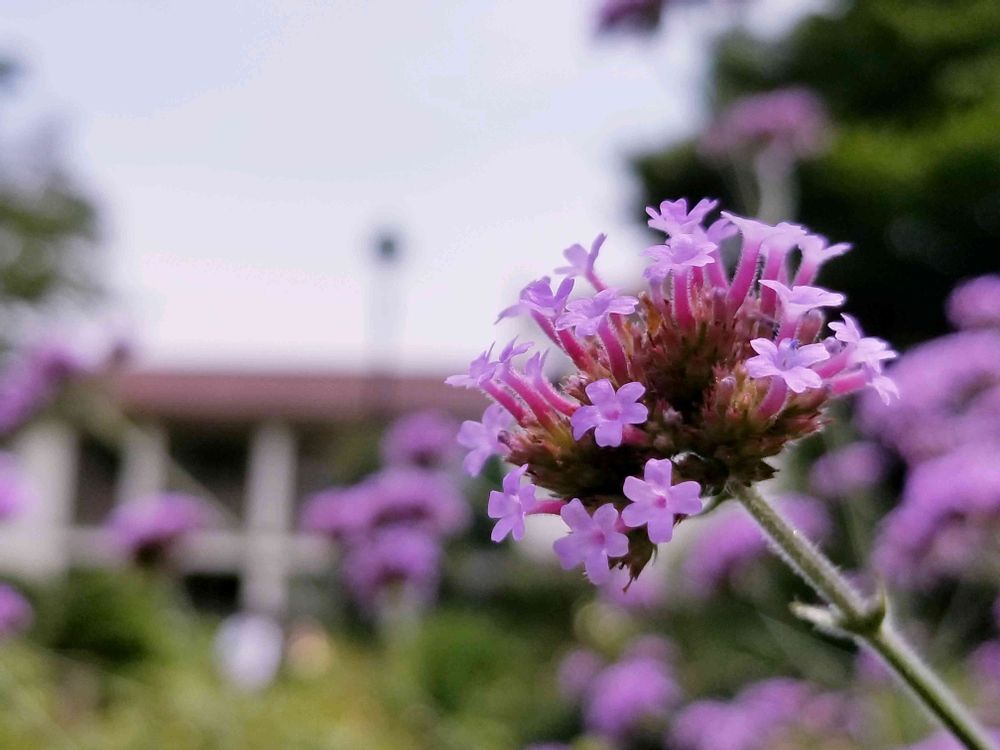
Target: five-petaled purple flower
787,361
656,502
538,297
585,316
581,262
674,217
796,301
511,506
483,438
681,252
610,413
481,369
592,540
863,350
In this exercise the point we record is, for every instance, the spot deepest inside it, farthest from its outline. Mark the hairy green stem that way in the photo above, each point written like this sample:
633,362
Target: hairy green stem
864,620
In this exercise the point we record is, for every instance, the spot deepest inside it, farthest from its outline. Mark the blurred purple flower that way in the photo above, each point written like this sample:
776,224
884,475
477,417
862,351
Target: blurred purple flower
576,672
16,614
147,528
396,560
763,714
391,527
644,593
416,498
591,541
848,470
790,122
483,438
425,439
949,397
339,512
610,413
984,665
31,379
636,689
976,303
733,541
948,520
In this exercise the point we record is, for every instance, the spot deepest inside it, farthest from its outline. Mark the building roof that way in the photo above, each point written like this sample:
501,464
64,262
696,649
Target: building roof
299,396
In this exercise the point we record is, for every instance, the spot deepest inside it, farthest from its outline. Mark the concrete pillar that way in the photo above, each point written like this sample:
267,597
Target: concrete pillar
145,457
269,508
35,542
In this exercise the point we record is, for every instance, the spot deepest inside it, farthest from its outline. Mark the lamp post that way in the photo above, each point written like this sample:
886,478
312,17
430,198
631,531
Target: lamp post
384,319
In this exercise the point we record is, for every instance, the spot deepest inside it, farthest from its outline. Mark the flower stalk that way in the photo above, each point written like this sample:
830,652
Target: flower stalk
859,618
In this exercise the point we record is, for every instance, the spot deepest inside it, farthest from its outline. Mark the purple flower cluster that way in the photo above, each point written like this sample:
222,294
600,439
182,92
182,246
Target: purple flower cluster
391,525
947,429
976,303
948,523
31,378
791,122
620,698
675,391
848,470
16,614
148,529
950,390
730,543
774,713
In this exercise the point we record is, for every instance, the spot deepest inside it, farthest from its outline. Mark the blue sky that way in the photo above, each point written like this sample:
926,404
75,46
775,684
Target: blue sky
245,153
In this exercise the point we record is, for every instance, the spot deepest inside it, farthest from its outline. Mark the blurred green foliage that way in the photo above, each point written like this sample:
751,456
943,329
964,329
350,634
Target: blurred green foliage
48,226
913,175
115,620
114,663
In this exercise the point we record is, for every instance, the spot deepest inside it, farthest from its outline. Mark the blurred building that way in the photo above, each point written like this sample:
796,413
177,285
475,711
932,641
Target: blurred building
255,444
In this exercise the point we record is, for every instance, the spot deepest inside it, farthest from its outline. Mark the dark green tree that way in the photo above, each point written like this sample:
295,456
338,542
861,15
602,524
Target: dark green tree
912,177
48,227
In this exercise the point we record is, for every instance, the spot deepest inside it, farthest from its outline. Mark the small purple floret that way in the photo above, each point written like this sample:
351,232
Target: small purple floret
483,438
610,412
787,361
656,502
796,301
587,315
511,505
592,540
581,262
